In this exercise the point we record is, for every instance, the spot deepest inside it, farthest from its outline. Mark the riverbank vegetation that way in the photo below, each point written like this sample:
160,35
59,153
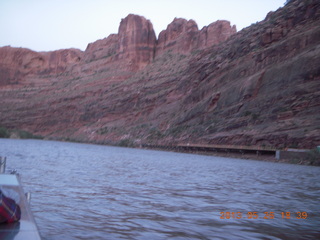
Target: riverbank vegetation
17,134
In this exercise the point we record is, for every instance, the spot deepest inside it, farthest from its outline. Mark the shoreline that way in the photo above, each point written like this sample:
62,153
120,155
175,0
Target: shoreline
244,156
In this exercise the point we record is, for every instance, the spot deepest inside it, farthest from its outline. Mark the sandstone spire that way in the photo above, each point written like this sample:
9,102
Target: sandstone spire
136,40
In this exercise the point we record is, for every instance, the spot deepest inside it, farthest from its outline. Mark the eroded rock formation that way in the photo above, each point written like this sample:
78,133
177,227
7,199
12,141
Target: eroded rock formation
132,48
17,64
182,36
137,40
215,33
134,44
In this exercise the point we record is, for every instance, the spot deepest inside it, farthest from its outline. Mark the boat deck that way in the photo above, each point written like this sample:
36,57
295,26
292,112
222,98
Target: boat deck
26,228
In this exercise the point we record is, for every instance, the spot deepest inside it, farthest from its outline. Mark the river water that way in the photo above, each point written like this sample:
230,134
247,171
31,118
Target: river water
83,191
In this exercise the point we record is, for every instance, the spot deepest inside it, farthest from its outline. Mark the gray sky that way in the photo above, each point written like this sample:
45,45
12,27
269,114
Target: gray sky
45,25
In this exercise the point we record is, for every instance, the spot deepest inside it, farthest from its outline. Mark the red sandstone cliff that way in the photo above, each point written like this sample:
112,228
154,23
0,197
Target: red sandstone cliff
134,44
259,86
17,64
137,40
183,36
180,36
215,33
131,49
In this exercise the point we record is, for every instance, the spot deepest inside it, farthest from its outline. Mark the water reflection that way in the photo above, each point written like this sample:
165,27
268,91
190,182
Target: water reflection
96,192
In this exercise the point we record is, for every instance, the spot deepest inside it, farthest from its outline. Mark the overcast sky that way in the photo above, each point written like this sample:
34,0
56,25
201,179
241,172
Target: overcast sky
46,25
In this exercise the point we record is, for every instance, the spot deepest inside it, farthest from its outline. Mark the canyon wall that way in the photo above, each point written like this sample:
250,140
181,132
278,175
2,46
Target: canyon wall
256,87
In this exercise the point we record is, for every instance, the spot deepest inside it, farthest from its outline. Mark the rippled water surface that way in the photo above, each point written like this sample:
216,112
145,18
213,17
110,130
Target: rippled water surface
82,191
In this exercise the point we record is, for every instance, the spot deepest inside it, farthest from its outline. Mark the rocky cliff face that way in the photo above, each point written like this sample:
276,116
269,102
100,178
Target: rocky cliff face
137,40
134,45
215,33
182,36
18,64
260,86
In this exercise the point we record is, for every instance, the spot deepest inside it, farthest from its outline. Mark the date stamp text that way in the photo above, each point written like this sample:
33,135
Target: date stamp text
263,215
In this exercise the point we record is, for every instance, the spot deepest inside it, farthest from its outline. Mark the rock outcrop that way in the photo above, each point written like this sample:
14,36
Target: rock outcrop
105,48
134,44
17,64
258,87
137,40
215,33
180,36
183,36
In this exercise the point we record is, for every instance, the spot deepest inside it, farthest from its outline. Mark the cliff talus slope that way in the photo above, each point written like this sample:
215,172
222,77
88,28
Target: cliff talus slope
258,87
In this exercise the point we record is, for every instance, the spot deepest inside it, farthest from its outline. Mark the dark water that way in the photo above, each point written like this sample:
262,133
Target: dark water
82,191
